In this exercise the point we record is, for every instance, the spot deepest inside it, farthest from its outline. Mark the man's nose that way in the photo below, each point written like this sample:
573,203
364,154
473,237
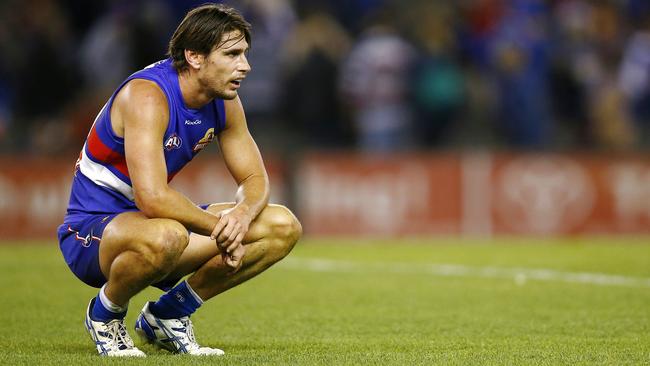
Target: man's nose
244,66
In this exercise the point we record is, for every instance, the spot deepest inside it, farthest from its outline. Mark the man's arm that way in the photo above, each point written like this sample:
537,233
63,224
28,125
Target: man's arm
140,113
244,162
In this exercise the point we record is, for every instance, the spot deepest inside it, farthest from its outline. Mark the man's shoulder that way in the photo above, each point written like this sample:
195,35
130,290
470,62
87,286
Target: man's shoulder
156,70
153,78
142,102
140,92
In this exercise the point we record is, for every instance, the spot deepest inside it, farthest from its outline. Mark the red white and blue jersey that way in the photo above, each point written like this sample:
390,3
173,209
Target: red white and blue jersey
102,183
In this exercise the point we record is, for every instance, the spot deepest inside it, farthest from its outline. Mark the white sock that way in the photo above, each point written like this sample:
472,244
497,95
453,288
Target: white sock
108,304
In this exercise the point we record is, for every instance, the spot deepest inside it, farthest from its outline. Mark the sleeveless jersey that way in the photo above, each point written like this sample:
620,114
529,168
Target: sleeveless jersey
101,181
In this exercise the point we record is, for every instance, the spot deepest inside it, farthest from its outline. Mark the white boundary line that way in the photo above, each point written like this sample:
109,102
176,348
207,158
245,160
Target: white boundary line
519,275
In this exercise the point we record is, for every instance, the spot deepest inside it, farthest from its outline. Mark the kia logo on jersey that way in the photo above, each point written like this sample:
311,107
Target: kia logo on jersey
173,142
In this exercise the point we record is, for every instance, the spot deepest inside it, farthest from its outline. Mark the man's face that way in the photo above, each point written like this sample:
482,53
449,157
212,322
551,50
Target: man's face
225,67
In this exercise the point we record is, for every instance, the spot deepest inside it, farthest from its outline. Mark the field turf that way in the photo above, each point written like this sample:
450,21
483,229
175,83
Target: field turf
400,302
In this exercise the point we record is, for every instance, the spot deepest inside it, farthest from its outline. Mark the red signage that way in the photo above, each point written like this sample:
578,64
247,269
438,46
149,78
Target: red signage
417,195
406,195
476,194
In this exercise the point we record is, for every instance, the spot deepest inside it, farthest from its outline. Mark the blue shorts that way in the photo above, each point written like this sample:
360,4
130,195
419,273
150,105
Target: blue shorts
79,242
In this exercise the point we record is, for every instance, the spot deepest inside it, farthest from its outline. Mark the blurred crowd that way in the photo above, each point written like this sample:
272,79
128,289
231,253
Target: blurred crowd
370,75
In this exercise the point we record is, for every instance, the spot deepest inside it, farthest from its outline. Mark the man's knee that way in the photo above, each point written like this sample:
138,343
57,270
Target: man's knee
284,229
163,248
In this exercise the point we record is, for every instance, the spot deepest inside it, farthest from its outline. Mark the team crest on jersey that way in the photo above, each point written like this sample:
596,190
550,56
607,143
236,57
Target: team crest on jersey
209,136
173,142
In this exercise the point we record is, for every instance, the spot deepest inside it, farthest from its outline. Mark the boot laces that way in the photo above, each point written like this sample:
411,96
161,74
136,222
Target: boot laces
117,332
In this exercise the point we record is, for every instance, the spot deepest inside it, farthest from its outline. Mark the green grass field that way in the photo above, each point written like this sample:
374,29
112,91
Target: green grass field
511,301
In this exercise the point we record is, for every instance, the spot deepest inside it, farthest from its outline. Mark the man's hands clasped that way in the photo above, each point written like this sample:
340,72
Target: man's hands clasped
229,234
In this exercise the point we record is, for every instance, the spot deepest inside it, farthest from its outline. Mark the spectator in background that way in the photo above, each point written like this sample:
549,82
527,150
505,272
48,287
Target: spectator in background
477,21
610,120
127,37
572,55
634,74
478,72
350,12
375,86
5,82
272,21
480,20
150,31
520,65
82,14
130,35
438,82
106,49
5,112
588,35
38,60
311,57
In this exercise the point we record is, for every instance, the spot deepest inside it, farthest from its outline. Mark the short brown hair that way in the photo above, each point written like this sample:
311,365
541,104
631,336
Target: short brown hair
203,28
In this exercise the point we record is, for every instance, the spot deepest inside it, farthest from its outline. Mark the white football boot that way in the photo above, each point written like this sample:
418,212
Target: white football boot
111,338
174,335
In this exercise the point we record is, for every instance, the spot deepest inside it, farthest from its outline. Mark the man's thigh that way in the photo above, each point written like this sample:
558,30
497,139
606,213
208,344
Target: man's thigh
91,243
129,231
79,241
201,248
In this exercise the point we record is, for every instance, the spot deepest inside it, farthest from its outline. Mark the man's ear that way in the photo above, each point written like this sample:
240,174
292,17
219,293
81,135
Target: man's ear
194,59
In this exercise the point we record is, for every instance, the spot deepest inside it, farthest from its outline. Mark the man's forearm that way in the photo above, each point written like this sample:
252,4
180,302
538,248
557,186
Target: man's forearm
253,195
171,204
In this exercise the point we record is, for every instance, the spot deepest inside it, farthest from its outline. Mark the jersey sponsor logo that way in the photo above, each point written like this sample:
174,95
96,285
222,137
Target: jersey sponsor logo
173,142
193,123
209,136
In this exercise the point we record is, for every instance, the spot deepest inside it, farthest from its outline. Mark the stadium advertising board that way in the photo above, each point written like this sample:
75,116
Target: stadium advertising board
445,194
474,194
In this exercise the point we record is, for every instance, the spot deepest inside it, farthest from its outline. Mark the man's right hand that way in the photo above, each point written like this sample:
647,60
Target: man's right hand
229,234
231,228
234,259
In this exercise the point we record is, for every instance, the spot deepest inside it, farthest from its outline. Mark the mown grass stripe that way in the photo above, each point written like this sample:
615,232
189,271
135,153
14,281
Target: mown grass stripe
519,275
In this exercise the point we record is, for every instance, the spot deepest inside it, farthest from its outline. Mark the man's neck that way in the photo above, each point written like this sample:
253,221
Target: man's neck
191,90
